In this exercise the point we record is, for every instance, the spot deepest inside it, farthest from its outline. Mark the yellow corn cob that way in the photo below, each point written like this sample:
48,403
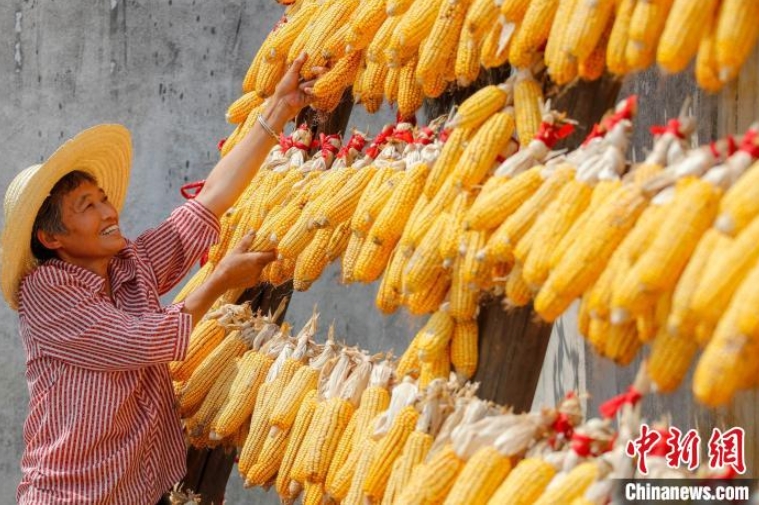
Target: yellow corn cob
297,434
296,239
334,13
256,435
475,268
467,66
518,292
205,374
429,298
370,205
269,74
478,108
388,449
616,60
514,10
736,36
416,24
388,227
572,485
364,24
435,82
586,26
480,477
268,462
284,272
601,194
286,408
355,495
562,66
350,257
509,233
205,337
622,343
493,51
670,359
330,427
446,162
240,108
372,260
249,81
358,84
425,264
533,31
707,71
481,152
723,274
299,44
552,226
284,190
275,227
435,335
424,217
410,95
390,87
338,241
592,67
450,241
414,451
740,205
397,7
314,494
285,36
583,316
682,33
464,343
409,362
463,298
334,46
438,475
389,295
442,40
582,265
492,208
312,261
329,89
525,483
252,369
375,51
646,26
342,451
437,368
199,425
528,98
479,18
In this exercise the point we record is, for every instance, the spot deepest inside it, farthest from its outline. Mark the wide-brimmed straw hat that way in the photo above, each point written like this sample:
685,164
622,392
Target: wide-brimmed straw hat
105,151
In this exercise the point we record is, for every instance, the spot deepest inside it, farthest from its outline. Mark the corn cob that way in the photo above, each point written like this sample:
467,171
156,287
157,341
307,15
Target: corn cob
363,462
388,449
437,368
707,71
388,295
410,95
586,26
414,451
481,152
438,473
735,37
375,51
435,335
295,439
578,269
415,25
464,300
571,485
430,298
592,67
391,84
312,261
208,370
370,205
478,108
205,337
616,60
333,422
740,205
268,462
240,108
492,208
424,216
446,162
350,257
480,477
425,263
252,369
249,81
338,241
562,66
342,452
682,33
365,23
409,362
494,47
514,11
528,98
334,12
467,65
199,424
450,240
285,410
479,18
670,358
334,47
329,89
533,31
646,26
525,483
388,227
464,344
269,74
372,260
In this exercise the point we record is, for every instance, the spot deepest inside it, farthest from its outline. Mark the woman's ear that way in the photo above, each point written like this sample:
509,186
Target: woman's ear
49,240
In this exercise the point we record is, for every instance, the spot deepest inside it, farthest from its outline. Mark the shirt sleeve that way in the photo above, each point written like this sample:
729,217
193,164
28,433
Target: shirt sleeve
68,323
172,248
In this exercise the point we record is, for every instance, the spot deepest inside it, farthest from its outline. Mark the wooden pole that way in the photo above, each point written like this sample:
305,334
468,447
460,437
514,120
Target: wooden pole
208,470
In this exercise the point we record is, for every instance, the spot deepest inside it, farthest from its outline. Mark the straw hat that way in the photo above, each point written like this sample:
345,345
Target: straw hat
105,151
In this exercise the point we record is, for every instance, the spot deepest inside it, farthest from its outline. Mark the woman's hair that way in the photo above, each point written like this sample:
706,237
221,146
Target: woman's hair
49,217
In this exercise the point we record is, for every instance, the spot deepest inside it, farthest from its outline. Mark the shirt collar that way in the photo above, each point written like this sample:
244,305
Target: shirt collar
121,269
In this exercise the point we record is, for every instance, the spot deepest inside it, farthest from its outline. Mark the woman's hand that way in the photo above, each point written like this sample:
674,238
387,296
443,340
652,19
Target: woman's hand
291,94
240,268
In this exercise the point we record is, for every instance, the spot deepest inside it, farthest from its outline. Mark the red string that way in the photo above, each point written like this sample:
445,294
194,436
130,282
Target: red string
191,189
327,147
750,143
285,143
673,126
610,407
357,142
376,145
563,425
581,444
404,135
627,111
221,143
549,134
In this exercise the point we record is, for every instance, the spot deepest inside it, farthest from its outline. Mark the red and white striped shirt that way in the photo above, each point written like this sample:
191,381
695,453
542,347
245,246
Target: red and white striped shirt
102,427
